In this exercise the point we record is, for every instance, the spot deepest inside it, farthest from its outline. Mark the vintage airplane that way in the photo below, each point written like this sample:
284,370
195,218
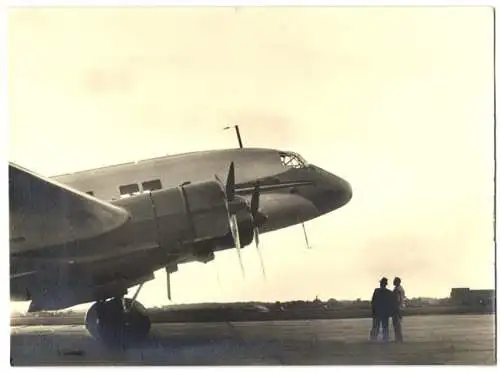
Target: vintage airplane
92,235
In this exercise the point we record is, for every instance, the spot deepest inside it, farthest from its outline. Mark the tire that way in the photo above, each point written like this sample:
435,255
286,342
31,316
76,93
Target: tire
107,322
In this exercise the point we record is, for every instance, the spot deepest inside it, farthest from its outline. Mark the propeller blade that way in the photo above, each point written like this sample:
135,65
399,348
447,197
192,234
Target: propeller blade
217,178
233,222
259,218
230,182
254,203
256,234
305,235
169,293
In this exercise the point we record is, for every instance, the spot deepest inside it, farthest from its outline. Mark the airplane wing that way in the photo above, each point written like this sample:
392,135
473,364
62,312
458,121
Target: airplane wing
45,213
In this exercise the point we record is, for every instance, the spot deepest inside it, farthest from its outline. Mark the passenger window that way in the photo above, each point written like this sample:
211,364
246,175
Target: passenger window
151,185
129,190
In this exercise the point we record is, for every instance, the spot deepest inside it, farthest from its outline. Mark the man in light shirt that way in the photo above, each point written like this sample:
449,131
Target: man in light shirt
399,294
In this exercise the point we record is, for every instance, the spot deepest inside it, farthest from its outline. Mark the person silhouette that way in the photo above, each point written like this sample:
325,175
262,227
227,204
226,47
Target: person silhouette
382,305
397,317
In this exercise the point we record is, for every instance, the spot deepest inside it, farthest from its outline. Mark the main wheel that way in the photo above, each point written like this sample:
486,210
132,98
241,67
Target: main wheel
110,323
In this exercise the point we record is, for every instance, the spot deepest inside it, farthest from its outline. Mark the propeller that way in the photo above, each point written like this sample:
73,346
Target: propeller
232,208
233,223
258,219
169,292
305,235
230,182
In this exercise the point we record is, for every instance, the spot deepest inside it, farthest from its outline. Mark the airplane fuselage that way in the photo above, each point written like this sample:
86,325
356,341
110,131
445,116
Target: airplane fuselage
160,231
316,191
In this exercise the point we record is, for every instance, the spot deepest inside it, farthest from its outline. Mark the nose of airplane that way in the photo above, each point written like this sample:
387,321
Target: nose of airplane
331,191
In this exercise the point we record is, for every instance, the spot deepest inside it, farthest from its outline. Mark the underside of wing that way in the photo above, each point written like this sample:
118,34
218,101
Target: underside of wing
45,213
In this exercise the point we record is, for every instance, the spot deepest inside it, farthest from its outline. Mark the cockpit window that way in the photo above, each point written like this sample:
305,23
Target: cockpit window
292,160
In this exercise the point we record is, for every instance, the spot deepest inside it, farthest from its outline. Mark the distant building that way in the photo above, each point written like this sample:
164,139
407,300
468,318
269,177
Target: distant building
474,297
460,295
482,297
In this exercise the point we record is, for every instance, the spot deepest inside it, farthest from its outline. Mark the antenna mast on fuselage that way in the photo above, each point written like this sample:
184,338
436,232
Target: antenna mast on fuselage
237,128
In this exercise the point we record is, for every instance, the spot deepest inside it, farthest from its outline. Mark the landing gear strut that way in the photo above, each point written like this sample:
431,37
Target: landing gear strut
117,321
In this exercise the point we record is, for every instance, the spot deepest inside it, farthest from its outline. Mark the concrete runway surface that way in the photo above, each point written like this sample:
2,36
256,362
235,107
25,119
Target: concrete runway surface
442,339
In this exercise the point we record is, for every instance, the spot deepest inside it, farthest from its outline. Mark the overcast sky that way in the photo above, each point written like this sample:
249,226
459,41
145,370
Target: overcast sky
398,101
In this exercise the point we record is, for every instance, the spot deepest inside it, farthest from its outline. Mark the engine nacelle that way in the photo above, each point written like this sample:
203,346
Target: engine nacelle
245,227
246,231
191,213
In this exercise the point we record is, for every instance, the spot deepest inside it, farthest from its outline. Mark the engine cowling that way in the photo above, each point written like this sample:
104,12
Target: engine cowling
246,232
192,213
245,221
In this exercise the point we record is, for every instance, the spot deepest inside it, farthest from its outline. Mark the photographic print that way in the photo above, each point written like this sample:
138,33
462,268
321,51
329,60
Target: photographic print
245,185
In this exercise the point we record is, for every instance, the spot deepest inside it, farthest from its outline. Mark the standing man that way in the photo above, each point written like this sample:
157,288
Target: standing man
382,309
397,317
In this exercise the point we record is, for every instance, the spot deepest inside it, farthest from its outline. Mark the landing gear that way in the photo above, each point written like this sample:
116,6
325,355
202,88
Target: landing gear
117,321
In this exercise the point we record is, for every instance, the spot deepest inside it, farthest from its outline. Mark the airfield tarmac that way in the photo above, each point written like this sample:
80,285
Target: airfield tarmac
441,339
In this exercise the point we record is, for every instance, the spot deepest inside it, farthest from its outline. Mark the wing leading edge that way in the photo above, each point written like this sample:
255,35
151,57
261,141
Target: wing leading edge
45,213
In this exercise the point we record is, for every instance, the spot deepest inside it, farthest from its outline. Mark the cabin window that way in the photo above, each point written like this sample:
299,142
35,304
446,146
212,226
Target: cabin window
129,190
90,193
151,185
292,160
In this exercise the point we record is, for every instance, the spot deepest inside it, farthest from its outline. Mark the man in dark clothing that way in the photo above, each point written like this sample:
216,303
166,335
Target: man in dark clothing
382,308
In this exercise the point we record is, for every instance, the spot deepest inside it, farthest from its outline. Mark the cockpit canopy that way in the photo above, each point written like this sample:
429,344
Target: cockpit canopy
292,160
